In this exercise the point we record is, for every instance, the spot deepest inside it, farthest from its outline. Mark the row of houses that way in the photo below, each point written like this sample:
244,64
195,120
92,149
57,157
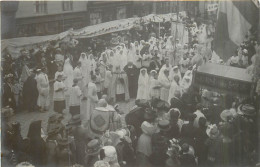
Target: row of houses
32,18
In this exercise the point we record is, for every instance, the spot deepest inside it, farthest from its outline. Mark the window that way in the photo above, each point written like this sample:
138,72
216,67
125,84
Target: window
41,6
67,6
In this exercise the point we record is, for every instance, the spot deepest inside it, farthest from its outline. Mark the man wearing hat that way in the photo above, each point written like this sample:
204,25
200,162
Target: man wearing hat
80,138
64,153
8,95
160,143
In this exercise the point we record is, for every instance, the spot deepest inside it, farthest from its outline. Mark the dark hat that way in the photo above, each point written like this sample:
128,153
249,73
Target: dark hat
246,109
164,125
163,105
94,147
52,118
75,120
149,114
64,141
54,130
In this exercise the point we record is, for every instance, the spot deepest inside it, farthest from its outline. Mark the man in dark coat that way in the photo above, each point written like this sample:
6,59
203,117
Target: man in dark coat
188,131
200,139
132,75
80,138
187,159
30,93
50,59
160,144
8,95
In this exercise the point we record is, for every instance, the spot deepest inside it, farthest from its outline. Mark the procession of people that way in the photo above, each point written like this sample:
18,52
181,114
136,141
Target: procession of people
173,123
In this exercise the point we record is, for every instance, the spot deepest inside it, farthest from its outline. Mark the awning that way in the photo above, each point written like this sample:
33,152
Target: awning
225,79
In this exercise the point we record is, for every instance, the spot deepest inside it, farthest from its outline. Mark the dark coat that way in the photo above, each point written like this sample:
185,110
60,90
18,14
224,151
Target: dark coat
132,75
8,97
199,146
30,92
188,133
37,148
187,160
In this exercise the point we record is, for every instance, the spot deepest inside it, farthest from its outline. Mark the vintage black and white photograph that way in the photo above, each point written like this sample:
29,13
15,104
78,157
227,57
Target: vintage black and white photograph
130,83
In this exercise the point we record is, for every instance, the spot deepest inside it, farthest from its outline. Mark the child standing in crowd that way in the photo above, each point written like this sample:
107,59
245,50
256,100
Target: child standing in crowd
75,94
58,94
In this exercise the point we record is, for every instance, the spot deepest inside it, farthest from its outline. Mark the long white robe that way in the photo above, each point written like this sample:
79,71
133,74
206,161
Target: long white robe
44,90
78,75
84,70
92,99
174,87
68,73
165,87
143,88
154,90
161,72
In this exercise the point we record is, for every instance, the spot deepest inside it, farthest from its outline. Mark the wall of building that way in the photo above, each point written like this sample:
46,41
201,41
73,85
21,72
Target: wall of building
28,9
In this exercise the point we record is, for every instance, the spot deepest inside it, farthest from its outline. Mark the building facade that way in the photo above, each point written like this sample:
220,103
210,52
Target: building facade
35,18
104,11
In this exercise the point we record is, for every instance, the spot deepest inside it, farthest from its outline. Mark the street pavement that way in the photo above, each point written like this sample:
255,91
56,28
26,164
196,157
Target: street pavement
25,117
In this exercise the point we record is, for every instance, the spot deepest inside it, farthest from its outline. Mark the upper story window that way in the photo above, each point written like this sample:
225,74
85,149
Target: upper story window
67,5
41,6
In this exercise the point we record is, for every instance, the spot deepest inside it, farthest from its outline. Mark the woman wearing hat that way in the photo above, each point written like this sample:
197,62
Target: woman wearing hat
92,152
144,144
8,95
109,154
64,154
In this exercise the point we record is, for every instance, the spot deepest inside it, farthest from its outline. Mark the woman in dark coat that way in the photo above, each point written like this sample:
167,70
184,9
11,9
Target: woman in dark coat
30,93
8,95
132,74
38,149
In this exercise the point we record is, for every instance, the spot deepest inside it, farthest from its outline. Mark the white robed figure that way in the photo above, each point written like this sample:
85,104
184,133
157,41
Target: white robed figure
92,98
92,64
143,88
175,85
175,71
68,75
185,83
77,74
165,85
44,91
167,65
84,68
154,85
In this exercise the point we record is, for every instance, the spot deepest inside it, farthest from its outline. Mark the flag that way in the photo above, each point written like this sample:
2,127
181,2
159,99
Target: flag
235,19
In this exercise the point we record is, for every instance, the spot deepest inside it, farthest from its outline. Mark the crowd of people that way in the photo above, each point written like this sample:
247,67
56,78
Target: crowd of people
173,122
